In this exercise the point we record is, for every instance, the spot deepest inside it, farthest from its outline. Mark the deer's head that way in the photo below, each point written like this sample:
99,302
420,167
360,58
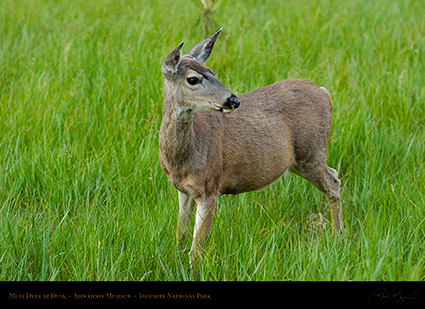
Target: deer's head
193,85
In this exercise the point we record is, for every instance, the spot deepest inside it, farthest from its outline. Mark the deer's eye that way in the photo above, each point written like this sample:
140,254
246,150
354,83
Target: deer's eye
192,80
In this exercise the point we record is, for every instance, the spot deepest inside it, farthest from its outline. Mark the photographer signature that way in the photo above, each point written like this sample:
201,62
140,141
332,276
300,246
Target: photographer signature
393,295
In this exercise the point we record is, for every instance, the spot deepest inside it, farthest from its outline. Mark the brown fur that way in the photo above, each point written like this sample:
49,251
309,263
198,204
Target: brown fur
284,126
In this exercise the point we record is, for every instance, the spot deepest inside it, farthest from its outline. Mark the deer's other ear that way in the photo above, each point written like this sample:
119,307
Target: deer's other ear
171,62
202,50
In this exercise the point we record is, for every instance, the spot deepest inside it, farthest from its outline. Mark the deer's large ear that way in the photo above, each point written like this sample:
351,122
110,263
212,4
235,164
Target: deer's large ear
202,50
171,62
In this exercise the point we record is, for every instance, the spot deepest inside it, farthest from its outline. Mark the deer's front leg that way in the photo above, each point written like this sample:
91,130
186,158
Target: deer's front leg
204,216
185,212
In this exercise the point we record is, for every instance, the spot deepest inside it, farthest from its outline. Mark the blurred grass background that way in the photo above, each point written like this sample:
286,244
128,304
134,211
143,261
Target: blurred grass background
82,196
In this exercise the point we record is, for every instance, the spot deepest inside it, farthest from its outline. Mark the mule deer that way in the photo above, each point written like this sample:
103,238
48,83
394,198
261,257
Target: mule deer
209,146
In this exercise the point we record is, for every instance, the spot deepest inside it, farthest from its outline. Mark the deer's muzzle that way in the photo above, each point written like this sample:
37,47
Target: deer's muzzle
231,104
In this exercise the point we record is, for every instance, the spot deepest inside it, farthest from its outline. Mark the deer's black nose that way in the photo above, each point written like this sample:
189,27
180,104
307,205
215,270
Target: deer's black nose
232,102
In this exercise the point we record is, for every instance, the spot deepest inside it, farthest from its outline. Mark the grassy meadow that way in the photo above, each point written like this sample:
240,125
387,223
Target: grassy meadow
82,195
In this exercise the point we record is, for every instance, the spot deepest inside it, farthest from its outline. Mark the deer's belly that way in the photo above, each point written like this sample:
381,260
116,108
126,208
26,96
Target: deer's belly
251,178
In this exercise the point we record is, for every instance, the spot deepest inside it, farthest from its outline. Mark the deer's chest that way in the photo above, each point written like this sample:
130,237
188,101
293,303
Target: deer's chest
182,178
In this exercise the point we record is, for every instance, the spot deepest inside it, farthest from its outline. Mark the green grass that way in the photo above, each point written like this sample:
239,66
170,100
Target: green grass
82,196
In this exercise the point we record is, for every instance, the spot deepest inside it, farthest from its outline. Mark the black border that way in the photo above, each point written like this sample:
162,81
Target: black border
138,293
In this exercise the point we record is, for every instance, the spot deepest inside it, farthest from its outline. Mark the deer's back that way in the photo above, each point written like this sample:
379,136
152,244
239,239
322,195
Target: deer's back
274,127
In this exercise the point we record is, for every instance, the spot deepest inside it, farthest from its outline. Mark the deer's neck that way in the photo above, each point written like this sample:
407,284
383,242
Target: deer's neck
176,135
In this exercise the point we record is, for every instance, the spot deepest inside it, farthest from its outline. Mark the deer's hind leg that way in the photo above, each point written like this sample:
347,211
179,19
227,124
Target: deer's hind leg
332,189
326,180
